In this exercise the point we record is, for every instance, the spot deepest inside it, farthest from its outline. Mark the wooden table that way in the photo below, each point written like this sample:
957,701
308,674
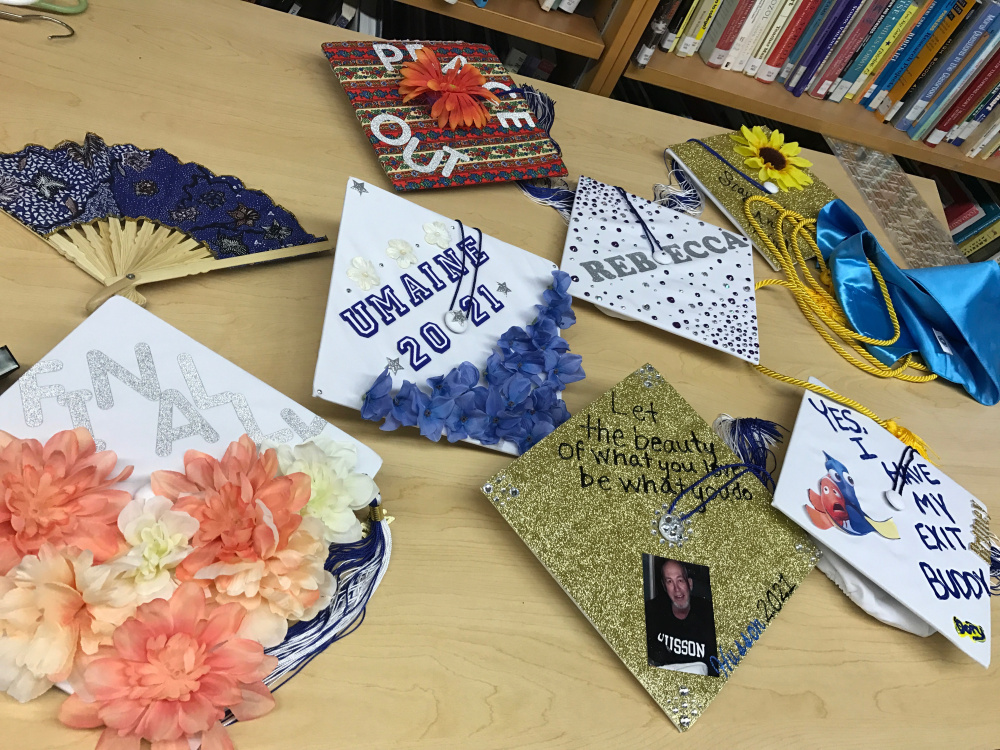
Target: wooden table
469,642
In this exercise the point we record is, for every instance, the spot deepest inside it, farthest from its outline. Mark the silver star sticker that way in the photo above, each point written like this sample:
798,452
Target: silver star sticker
359,186
393,365
503,288
458,317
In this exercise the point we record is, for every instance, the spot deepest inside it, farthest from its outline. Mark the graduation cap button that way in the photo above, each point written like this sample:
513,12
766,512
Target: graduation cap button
456,321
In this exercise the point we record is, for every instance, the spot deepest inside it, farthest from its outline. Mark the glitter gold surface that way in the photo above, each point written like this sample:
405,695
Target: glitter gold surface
592,540
730,190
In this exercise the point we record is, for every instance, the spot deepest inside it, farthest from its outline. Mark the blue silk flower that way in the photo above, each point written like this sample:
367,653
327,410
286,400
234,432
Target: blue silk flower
519,402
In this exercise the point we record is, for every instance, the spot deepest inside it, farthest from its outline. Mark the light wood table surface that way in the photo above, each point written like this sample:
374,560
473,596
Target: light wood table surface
468,643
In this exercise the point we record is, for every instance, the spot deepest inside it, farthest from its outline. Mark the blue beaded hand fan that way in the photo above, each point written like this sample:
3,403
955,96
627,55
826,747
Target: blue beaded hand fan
129,216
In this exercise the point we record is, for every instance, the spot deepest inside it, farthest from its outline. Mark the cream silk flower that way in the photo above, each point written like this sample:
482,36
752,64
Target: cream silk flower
402,252
436,233
338,489
362,272
159,538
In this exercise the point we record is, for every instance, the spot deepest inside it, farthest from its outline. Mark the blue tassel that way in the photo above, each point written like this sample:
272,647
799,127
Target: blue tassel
751,440
994,568
358,568
545,191
542,107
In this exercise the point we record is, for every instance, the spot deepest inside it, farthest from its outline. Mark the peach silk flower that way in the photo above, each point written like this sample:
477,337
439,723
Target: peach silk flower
58,493
54,607
252,545
457,95
171,673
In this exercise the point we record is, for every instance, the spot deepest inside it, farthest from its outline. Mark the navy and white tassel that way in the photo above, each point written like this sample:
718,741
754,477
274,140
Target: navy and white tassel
751,440
679,194
358,569
995,566
545,191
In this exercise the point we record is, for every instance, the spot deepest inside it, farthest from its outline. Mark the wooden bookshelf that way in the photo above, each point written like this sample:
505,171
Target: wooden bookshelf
847,121
524,18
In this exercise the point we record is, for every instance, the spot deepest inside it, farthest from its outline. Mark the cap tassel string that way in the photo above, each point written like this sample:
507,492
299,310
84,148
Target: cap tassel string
545,191
751,440
823,312
357,568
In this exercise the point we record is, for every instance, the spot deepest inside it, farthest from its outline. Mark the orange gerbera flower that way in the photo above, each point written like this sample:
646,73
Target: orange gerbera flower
58,493
252,545
174,669
457,95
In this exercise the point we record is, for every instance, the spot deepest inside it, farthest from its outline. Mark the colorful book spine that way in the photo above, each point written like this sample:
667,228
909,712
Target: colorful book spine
990,148
908,51
869,50
749,31
682,30
849,48
824,9
788,39
777,25
818,45
991,126
669,9
768,10
836,24
940,40
870,85
729,34
982,22
864,44
710,42
987,201
982,113
676,24
985,81
696,28
883,51
978,241
955,85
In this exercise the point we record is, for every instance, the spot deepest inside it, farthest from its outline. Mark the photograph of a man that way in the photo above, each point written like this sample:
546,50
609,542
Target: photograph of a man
680,622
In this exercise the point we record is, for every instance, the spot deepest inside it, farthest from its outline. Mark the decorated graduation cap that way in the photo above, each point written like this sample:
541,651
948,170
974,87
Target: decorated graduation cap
663,538
732,167
431,323
129,216
901,538
415,145
641,261
161,405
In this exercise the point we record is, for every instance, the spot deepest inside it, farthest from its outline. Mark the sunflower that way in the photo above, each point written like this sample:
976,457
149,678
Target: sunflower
773,159
457,95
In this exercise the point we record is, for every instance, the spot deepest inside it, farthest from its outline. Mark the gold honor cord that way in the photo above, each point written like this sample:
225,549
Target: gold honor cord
821,308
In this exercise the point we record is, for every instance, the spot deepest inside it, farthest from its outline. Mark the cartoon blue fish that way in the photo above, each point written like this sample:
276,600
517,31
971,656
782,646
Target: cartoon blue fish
838,505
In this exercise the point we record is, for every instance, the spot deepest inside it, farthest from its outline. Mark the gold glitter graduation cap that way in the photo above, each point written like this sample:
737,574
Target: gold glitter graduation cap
665,541
728,189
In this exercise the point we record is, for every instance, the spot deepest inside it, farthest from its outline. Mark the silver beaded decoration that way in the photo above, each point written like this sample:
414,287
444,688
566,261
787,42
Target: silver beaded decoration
672,530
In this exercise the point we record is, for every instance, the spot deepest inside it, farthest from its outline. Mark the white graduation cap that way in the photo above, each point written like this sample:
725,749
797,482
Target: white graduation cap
908,544
641,261
415,295
150,393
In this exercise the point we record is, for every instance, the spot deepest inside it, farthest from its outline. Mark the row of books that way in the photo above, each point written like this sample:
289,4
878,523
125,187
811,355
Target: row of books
393,20
930,68
971,207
